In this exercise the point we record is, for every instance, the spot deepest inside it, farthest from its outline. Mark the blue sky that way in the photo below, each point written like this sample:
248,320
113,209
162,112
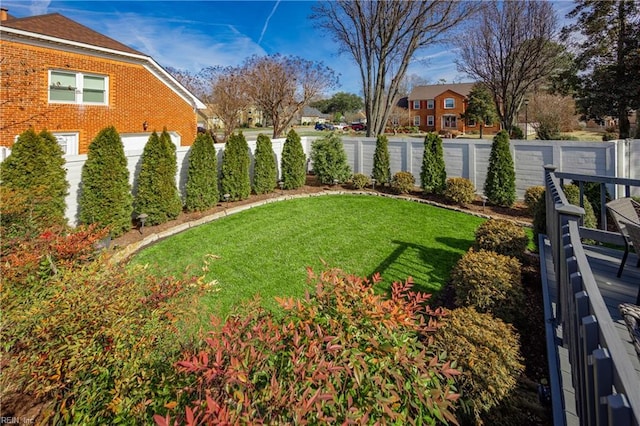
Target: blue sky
195,34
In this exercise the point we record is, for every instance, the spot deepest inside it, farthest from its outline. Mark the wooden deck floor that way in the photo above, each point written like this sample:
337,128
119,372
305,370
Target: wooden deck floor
604,263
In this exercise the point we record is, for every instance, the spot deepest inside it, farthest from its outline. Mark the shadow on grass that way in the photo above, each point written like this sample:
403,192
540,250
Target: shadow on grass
428,266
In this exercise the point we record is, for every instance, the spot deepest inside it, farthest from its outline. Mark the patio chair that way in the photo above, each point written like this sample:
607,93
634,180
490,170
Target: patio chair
631,316
623,211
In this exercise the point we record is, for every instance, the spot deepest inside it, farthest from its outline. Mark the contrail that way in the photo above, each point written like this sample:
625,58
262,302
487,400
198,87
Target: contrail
266,23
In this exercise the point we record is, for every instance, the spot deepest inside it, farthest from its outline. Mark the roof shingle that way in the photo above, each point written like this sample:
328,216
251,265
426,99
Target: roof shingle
59,26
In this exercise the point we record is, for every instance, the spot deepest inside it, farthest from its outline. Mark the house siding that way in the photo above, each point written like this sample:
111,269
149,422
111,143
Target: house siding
135,96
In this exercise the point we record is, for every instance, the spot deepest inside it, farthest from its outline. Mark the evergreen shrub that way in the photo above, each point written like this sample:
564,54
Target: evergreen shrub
540,217
489,282
329,159
433,175
202,176
460,190
402,182
487,351
359,181
293,164
503,237
531,197
234,177
381,169
96,341
33,174
157,193
572,192
342,354
265,170
500,184
105,195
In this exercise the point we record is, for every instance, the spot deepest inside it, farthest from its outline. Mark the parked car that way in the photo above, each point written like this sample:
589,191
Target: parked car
358,127
341,126
324,126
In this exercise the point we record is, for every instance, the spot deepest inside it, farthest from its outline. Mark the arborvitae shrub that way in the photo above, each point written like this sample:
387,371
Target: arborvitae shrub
295,366
500,185
460,190
489,282
265,170
157,193
433,175
293,164
503,237
402,182
105,196
487,351
359,180
572,193
34,172
330,160
540,217
234,178
381,169
592,193
531,197
202,175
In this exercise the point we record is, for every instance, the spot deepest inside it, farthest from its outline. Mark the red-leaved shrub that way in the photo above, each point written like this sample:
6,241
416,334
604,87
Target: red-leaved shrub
341,354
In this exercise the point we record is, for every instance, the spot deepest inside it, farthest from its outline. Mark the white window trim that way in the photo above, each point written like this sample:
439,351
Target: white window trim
430,104
453,103
69,141
67,148
79,88
416,120
430,120
416,104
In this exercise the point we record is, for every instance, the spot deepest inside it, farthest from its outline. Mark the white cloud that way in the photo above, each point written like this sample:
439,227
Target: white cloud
181,46
39,7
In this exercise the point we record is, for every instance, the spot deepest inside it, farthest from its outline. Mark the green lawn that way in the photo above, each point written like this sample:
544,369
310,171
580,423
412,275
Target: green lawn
265,250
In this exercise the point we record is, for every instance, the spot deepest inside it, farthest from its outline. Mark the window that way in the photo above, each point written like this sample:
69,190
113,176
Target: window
68,142
416,104
77,88
416,120
395,121
430,104
449,121
449,103
488,122
430,120
471,122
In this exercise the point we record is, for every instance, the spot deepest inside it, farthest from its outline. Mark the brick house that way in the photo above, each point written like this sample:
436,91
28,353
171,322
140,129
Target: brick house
64,77
437,108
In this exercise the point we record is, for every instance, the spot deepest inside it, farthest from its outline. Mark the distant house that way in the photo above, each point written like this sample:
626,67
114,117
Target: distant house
400,116
64,77
438,107
311,115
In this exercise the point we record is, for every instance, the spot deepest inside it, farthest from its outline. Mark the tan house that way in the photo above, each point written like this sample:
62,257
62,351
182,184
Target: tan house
438,108
64,77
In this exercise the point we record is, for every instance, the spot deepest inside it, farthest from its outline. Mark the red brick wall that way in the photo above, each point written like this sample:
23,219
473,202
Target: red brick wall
135,96
439,111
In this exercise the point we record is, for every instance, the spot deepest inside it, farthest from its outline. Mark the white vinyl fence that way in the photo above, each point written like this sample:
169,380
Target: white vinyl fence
466,158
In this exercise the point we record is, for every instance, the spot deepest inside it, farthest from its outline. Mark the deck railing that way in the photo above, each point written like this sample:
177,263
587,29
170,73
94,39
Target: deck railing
605,383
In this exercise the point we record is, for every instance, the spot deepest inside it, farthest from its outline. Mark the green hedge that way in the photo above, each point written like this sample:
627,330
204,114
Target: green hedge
234,177
105,192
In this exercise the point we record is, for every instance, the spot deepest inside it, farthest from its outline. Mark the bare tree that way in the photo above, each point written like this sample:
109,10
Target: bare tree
382,37
509,47
229,98
282,85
